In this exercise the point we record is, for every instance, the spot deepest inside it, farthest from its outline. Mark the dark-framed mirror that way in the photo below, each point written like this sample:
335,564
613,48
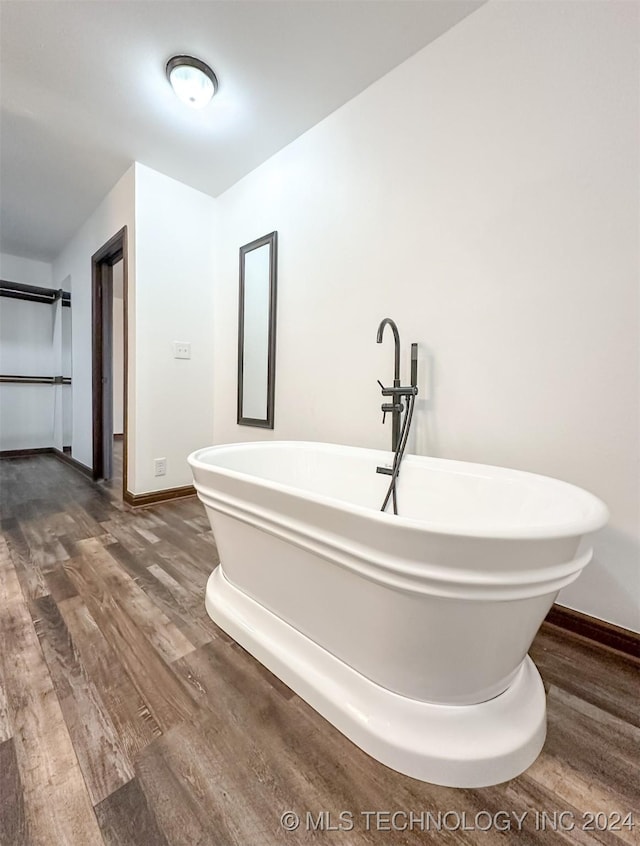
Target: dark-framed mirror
257,331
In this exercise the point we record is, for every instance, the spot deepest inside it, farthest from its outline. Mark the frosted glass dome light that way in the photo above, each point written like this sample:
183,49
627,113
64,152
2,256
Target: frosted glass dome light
193,81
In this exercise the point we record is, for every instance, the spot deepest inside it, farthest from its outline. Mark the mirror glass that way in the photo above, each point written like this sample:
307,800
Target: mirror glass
256,332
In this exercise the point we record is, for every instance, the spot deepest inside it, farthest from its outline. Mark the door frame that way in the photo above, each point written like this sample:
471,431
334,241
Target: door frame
112,251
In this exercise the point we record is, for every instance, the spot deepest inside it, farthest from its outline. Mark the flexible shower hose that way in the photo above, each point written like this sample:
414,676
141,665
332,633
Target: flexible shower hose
398,455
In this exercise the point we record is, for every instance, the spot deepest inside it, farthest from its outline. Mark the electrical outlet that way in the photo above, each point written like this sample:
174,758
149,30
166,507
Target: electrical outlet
160,466
181,349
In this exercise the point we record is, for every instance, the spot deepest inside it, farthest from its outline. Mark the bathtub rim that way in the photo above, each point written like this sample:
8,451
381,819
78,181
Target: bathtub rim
398,572
577,528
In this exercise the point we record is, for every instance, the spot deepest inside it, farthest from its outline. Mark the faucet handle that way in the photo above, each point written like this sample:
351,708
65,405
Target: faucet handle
390,407
386,392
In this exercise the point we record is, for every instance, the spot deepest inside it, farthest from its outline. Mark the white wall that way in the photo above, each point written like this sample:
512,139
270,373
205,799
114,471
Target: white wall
26,349
118,350
26,338
173,399
170,298
65,396
26,271
484,194
114,212
61,365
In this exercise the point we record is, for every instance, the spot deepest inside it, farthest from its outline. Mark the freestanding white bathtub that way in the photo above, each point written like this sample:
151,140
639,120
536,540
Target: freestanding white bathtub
409,633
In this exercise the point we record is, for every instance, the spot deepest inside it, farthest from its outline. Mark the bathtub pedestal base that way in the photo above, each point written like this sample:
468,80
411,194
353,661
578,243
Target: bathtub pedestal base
454,746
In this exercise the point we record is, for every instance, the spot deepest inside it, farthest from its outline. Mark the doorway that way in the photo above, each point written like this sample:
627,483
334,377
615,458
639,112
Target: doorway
109,274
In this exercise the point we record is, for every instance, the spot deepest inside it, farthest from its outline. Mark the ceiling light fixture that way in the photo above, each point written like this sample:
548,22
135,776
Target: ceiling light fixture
193,81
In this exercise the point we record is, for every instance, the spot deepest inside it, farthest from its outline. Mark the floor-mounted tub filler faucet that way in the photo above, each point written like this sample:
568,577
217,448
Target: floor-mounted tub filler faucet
400,426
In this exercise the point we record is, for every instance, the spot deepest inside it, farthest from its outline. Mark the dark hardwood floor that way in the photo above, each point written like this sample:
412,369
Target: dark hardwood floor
128,717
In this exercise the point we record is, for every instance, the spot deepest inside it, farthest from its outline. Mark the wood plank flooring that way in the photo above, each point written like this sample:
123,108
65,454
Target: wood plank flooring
128,717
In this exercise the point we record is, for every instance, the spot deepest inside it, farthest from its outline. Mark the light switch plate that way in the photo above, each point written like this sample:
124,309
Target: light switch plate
181,349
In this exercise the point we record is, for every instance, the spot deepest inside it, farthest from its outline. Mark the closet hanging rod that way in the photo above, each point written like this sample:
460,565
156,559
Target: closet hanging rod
32,293
35,380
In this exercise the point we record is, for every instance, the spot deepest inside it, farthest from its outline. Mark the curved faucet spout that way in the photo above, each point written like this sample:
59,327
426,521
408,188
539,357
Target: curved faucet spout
396,340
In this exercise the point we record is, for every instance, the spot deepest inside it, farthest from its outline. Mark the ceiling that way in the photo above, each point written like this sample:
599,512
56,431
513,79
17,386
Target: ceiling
83,92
